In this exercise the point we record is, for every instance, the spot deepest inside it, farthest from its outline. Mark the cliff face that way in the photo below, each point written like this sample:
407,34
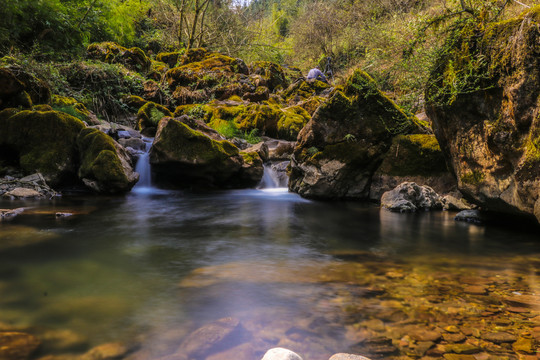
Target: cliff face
484,101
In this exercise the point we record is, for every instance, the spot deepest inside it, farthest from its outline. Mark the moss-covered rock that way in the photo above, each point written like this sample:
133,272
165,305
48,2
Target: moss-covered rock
302,90
70,106
169,58
42,142
105,165
484,102
268,74
344,143
149,116
213,74
19,88
188,158
110,52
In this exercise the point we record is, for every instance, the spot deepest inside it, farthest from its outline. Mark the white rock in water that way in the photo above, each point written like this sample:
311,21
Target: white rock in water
281,354
343,356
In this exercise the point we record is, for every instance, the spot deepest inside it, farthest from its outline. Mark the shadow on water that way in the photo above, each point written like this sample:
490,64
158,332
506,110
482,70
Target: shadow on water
301,274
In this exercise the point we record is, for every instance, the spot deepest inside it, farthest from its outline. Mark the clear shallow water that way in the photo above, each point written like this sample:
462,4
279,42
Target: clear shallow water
315,277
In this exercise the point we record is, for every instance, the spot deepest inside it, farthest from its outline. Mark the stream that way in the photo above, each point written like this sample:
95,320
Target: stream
318,278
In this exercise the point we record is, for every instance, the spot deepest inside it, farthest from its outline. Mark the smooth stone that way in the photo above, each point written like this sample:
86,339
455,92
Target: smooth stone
109,351
204,340
525,345
459,357
499,337
134,143
7,214
36,178
17,345
281,354
527,301
23,193
454,338
343,356
62,214
425,335
475,290
464,349
452,203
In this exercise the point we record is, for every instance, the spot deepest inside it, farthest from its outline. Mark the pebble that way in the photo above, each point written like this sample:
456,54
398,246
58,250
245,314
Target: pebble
499,337
281,354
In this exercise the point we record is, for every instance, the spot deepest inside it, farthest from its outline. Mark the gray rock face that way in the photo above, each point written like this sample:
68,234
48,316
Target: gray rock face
281,354
409,196
452,203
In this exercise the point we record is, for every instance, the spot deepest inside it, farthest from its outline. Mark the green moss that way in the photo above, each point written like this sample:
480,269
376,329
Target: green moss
235,98
292,120
303,90
186,143
150,114
43,108
271,73
99,160
45,141
413,155
7,113
169,58
134,101
474,177
70,106
111,52
251,157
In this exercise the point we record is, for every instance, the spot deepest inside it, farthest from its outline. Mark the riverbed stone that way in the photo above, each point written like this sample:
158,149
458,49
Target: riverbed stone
281,354
108,351
344,356
409,196
499,337
472,216
17,345
525,346
23,193
206,339
8,214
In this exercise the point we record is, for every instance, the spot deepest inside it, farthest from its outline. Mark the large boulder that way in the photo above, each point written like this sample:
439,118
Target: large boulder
187,157
340,148
110,52
410,197
105,165
484,101
42,142
149,115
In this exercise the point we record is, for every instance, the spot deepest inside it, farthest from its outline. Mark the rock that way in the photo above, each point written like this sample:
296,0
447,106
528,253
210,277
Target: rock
110,52
525,346
169,58
42,141
488,126
499,337
23,193
472,216
475,290
268,74
261,149
343,356
8,214
62,341
109,351
464,349
411,197
205,340
412,158
134,143
281,354
60,215
187,157
343,144
420,334
279,149
149,116
302,90
459,357
105,165
21,89
452,203
17,345
454,338
527,301
261,94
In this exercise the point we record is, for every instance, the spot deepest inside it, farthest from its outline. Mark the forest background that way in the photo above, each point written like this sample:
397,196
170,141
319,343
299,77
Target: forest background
396,41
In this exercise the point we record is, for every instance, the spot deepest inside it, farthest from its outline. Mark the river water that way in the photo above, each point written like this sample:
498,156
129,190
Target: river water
150,267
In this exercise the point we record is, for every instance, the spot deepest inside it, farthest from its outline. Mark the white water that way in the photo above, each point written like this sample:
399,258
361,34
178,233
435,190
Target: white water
271,179
144,185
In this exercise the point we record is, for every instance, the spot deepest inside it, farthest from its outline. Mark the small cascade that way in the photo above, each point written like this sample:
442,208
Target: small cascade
274,176
143,168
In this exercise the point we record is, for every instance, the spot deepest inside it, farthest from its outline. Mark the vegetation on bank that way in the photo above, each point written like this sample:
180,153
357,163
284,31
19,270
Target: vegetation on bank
395,41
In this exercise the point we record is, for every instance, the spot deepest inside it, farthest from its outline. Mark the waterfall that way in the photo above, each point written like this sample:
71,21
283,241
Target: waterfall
274,176
143,168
